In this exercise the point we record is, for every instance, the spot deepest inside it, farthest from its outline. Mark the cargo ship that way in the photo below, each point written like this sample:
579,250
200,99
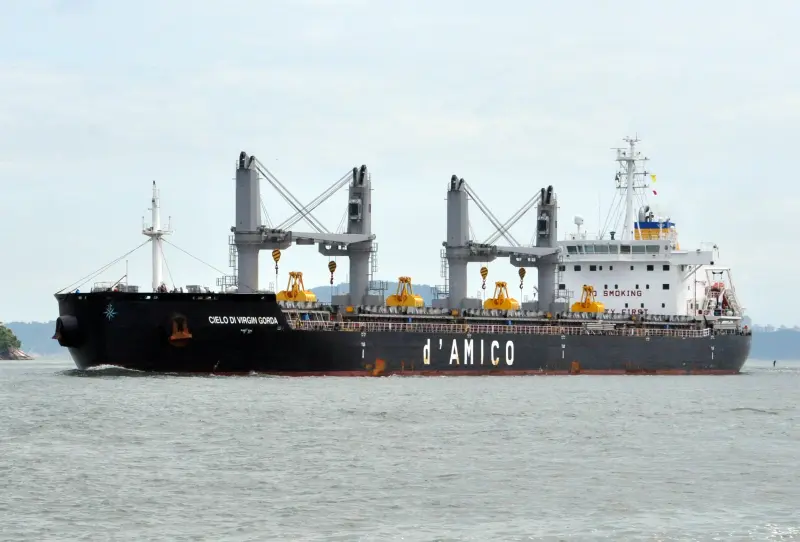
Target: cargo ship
627,300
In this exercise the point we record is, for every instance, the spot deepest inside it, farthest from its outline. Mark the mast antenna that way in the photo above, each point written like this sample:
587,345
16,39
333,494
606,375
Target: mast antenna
628,159
155,232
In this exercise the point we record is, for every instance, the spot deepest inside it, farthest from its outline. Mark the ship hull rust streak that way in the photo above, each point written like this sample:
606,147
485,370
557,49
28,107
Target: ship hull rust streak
174,333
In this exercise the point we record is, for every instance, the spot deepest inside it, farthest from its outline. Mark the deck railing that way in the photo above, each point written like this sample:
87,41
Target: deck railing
491,329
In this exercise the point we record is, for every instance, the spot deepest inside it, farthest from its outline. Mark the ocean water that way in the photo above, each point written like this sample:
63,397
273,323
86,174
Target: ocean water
116,455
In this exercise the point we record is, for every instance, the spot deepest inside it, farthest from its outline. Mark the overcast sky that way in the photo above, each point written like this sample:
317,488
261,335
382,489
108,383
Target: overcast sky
98,98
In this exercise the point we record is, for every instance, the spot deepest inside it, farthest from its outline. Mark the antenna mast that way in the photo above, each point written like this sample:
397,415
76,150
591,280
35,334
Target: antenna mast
628,159
155,233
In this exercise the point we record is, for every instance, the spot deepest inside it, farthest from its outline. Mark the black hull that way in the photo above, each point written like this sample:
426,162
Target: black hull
175,334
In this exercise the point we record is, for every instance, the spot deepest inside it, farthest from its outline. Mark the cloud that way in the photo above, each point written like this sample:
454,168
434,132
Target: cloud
73,7
770,107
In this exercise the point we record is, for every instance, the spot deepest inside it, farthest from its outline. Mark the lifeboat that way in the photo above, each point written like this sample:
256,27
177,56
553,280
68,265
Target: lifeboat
501,300
296,290
588,302
405,296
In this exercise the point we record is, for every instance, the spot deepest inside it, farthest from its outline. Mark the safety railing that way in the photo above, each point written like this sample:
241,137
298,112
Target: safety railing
490,329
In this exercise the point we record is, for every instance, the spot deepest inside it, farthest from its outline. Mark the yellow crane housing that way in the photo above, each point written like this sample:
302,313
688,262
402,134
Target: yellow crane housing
296,290
588,302
501,300
405,296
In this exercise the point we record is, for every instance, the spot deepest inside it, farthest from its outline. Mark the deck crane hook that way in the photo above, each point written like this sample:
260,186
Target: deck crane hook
332,269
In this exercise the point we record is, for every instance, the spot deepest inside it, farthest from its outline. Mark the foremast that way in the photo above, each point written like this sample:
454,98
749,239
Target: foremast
156,235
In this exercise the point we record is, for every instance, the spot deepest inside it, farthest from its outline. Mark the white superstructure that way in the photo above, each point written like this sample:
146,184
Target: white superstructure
639,267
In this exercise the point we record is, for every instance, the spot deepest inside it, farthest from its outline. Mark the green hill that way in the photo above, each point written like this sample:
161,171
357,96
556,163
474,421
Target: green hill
36,337
8,339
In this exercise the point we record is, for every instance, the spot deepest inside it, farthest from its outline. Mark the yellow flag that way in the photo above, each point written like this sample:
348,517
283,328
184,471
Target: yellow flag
653,177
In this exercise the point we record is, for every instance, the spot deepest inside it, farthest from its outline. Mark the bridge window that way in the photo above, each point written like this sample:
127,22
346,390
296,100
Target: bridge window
665,287
638,249
601,249
652,249
665,267
625,249
650,267
577,268
572,249
592,268
589,249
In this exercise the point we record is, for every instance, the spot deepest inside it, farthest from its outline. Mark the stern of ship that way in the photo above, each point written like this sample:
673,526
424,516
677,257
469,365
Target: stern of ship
733,349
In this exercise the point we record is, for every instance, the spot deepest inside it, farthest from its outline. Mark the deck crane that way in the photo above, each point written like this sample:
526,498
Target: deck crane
501,230
460,250
251,236
522,211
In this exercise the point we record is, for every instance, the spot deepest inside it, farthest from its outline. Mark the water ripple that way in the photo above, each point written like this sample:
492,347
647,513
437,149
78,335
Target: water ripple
109,454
